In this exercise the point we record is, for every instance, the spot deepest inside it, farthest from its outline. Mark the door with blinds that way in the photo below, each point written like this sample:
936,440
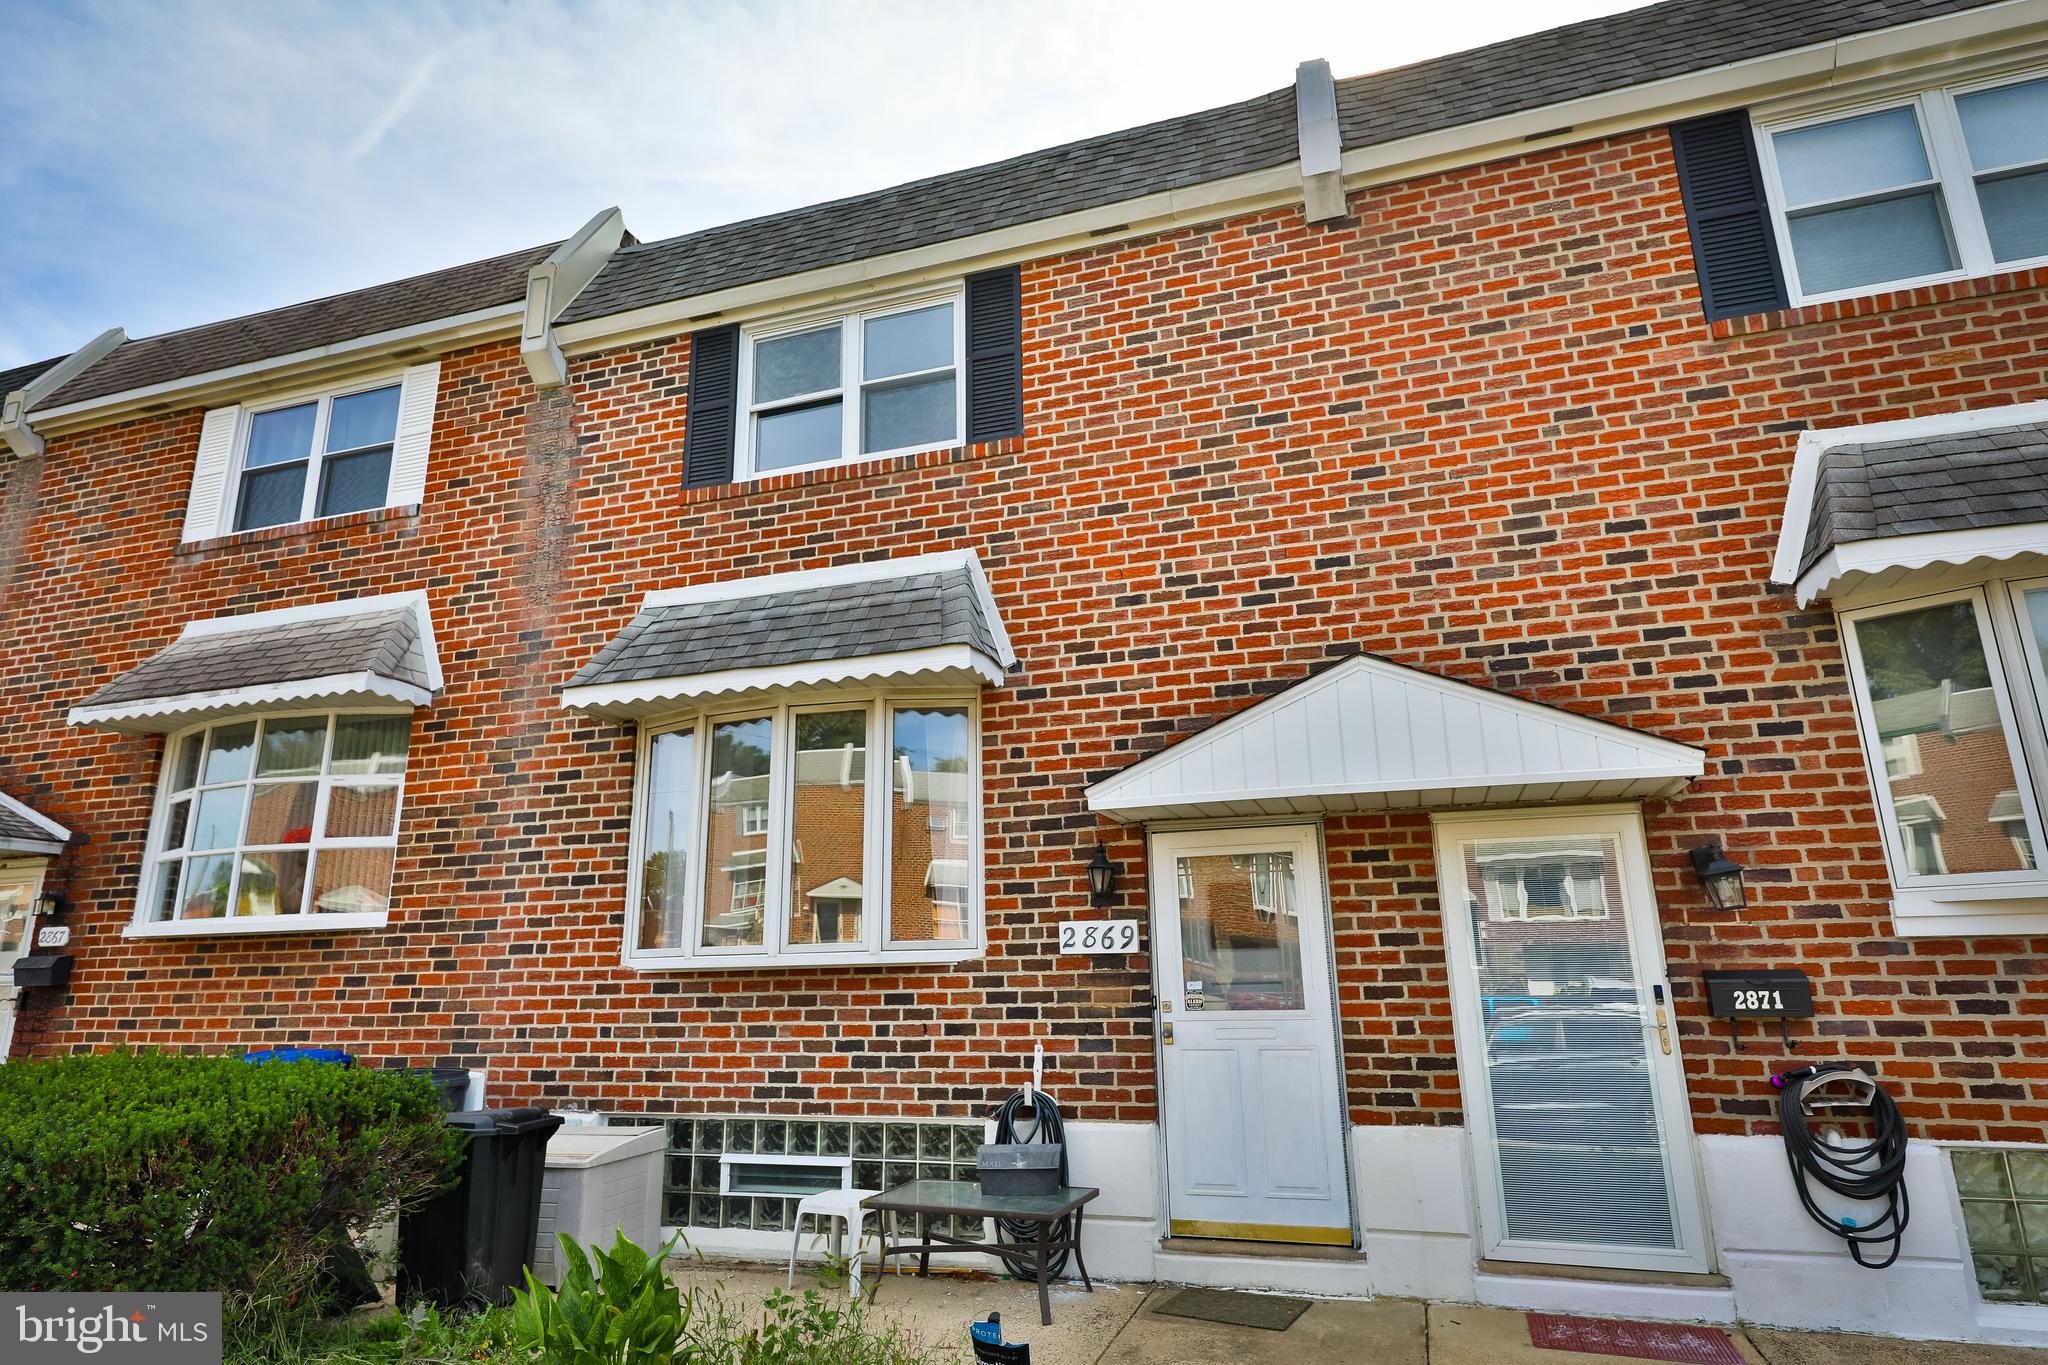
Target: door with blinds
1574,1096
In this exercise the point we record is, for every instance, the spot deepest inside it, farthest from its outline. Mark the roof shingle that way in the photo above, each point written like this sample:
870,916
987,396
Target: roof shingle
21,376
385,643
1969,480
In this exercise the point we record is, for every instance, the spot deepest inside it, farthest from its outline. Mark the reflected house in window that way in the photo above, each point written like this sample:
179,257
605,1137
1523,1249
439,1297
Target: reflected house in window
1950,817
1240,935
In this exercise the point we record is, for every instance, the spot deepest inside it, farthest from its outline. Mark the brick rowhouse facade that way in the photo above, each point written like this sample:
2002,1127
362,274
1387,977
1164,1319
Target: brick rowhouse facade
1480,427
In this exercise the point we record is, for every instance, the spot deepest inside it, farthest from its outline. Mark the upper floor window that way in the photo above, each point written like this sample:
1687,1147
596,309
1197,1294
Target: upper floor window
773,833
277,816
1945,184
321,458
885,381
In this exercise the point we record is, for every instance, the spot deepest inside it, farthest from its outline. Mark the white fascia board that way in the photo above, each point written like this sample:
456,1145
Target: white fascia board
153,715
1459,790
630,700
1729,86
305,612
1251,192
338,923
866,571
36,818
554,283
15,407
1895,551
258,378
41,848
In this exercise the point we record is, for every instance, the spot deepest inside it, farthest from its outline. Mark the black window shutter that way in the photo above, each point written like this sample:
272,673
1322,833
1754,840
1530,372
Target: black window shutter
995,355
714,399
1733,245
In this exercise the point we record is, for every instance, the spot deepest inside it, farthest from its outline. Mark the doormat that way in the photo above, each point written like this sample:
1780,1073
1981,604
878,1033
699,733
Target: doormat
1270,1312
1635,1340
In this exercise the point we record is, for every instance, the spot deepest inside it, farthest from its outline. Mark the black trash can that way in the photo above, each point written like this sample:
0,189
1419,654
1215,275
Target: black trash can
451,1081
473,1242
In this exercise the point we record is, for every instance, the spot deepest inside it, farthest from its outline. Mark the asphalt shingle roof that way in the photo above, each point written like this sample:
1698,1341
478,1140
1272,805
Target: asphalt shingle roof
1566,63
21,376
836,621
1869,491
384,642
302,326
17,828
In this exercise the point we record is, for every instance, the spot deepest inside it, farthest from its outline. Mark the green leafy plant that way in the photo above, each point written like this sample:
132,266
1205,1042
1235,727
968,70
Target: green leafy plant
624,1310
816,1327
150,1170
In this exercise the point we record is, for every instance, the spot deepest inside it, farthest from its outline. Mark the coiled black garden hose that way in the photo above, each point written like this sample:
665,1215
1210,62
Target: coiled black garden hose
1046,1126
1873,1170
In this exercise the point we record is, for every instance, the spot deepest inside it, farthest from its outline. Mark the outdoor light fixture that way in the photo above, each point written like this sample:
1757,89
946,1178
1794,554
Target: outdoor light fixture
1721,878
1102,879
52,905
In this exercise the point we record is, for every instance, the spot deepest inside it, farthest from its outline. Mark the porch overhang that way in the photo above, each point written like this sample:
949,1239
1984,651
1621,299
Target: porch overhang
1373,735
376,651
23,829
924,619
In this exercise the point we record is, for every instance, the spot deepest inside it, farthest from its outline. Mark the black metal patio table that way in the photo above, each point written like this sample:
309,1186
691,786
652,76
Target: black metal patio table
928,1199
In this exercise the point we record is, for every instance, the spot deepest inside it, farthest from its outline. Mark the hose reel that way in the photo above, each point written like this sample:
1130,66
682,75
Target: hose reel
1872,1171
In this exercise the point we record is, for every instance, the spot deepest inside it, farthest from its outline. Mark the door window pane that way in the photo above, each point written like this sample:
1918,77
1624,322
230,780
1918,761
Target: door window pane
1927,676
787,366
917,413
797,436
1852,156
828,826
363,419
14,916
1889,239
2016,215
2007,126
735,864
904,343
1577,1136
665,859
1240,935
931,786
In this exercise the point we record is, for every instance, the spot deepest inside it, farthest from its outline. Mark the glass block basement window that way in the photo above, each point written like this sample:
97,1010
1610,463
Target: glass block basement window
2005,1215
885,1153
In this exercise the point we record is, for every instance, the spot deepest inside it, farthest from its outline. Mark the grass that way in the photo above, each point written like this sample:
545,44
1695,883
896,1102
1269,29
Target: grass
421,1336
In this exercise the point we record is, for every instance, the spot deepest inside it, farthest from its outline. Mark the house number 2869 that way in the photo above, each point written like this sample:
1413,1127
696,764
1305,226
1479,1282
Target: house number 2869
1099,936
1759,1000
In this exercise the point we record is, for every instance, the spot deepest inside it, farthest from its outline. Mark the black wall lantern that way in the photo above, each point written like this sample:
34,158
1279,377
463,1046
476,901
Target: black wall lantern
1102,874
1721,878
52,905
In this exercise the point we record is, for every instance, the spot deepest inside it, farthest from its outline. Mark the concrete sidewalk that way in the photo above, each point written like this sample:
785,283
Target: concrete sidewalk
1117,1324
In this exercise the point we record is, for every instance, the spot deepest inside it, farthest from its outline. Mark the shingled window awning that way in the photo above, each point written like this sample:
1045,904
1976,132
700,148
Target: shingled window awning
929,618
1870,505
26,830
366,652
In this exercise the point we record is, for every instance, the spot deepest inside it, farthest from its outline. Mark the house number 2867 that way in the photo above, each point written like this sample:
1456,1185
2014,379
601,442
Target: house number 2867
1759,1000
1099,936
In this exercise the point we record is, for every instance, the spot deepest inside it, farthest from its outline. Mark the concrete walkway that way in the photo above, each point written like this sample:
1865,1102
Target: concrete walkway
1116,1325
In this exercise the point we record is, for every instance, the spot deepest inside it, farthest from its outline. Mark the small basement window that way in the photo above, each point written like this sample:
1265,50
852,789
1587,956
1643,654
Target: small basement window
785,1176
2005,1219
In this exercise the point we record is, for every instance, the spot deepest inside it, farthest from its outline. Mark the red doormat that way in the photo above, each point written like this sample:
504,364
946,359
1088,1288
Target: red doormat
1635,1340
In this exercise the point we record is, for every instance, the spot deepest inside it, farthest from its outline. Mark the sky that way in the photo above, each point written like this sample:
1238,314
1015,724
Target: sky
177,162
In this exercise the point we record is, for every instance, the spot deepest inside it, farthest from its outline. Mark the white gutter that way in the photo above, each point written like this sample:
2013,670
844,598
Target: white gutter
15,430
554,283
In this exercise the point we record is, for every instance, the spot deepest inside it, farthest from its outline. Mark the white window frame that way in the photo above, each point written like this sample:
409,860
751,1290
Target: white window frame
1948,158
851,386
316,454
305,922
2018,689
775,950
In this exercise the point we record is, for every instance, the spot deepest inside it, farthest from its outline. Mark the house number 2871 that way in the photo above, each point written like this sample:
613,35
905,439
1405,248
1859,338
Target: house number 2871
1759,1000
1099,936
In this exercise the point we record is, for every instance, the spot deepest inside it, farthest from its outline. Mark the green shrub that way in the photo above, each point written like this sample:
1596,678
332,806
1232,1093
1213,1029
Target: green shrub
625,1312
148,1170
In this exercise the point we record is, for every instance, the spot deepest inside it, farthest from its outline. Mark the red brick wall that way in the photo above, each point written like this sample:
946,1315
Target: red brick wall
1480,429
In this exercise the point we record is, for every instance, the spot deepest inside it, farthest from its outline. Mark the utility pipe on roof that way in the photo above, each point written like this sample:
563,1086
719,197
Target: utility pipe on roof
1321,144
553,283
15,430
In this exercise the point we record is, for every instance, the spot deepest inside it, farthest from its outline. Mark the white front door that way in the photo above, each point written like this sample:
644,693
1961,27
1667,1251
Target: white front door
1249,1083
1574,1095
18,890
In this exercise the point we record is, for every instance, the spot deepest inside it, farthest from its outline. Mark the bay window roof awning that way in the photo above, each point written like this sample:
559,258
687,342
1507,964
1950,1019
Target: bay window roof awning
926,618
23,829
1871,505
1368,734
359,652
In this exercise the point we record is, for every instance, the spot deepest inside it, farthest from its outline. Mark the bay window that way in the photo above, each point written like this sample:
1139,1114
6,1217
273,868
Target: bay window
885,381
836,828
277,817
1944,184
1949,691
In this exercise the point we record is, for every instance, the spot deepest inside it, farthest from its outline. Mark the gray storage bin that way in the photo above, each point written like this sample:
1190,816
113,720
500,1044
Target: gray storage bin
599,1182
1018,1167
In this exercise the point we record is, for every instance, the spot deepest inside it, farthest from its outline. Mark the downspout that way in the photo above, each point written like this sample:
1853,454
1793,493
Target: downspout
1320,142
554,283
21,438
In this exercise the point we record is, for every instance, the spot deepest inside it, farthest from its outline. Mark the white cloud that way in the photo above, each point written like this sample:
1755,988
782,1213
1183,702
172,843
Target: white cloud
169,165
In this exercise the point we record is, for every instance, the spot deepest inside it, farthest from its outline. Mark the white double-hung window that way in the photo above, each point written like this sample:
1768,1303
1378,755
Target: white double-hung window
834,389
842,826
1945,184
